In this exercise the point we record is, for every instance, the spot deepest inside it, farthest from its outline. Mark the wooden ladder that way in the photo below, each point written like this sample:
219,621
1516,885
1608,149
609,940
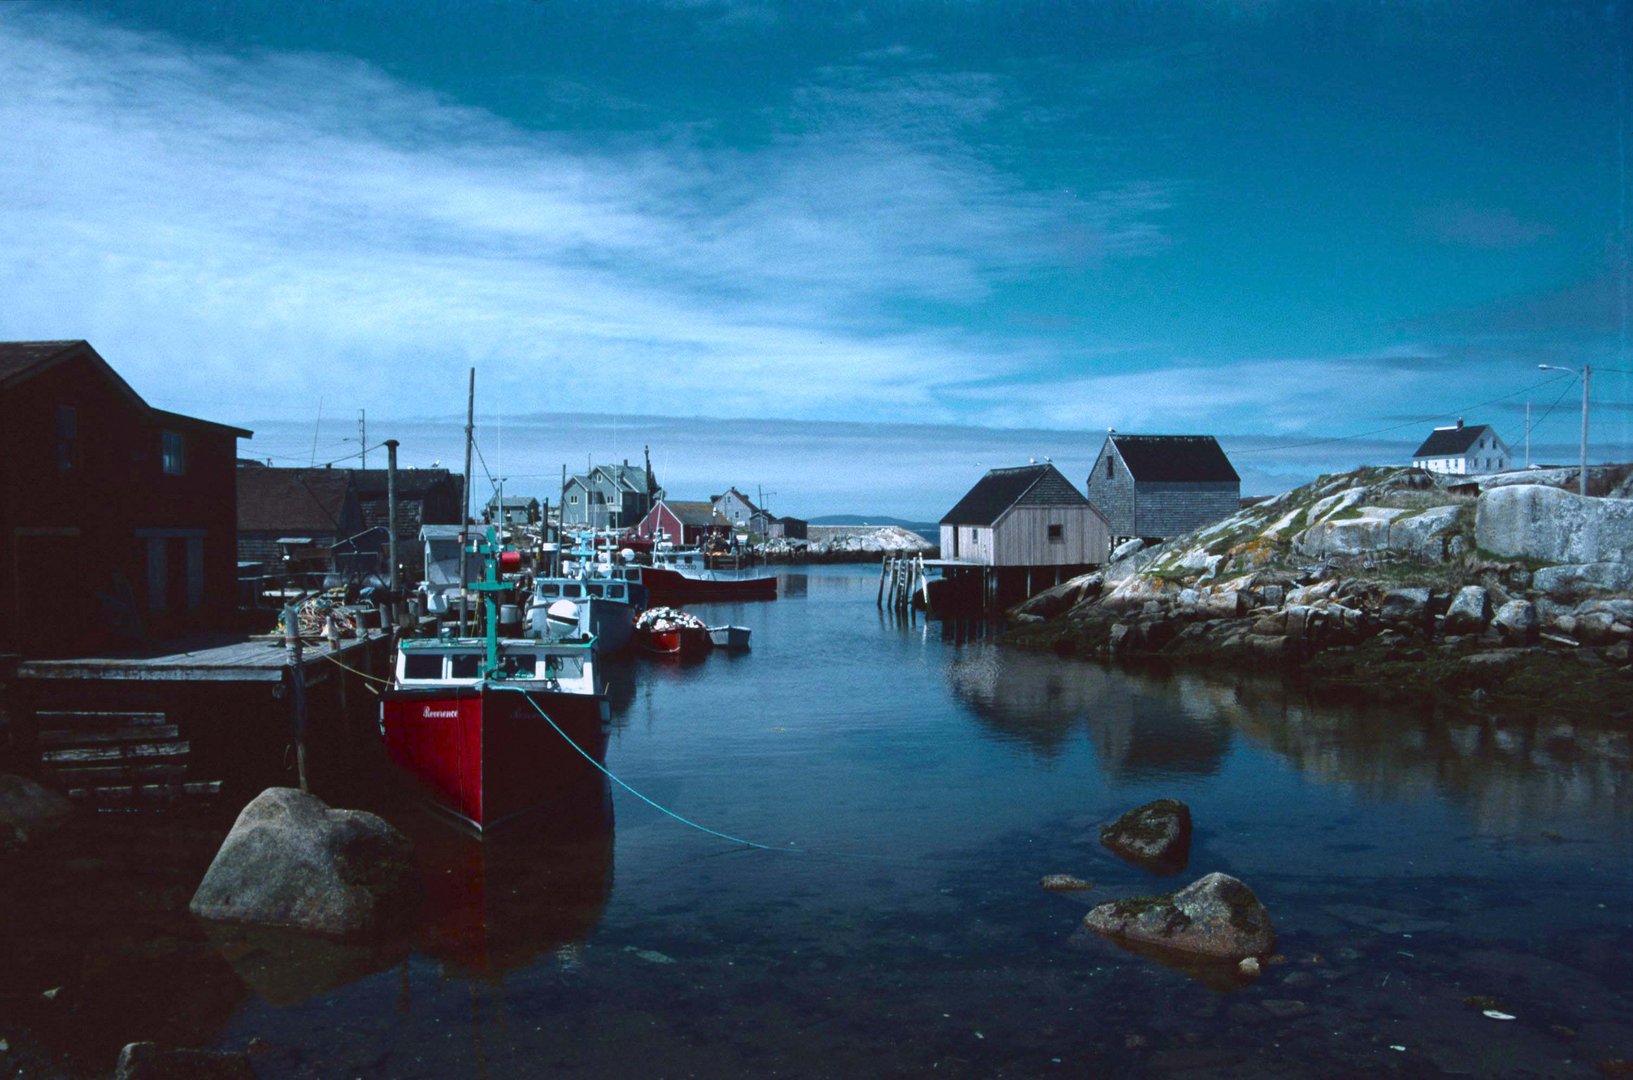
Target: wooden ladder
118,759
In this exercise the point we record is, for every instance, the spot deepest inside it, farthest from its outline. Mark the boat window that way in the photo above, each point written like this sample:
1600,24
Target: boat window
422,665
563,667
633,574
615,592
464,666
519,665
597,589
573,589
549,588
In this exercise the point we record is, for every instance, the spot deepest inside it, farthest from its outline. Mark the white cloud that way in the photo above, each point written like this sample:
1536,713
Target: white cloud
284,226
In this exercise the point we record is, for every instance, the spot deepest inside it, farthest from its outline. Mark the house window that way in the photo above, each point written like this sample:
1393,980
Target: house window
1057,534
1108,468
174,445
67,438
573,498
972,536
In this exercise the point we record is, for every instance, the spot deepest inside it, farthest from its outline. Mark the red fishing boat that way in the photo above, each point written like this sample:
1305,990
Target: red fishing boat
680,575
490,728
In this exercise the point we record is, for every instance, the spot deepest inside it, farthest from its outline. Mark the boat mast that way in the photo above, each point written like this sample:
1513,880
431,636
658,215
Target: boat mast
465,509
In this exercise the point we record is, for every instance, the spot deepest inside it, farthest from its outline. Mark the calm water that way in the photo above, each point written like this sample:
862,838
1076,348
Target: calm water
919,785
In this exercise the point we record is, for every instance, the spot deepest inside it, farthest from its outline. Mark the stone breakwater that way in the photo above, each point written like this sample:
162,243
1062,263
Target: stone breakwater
1380,580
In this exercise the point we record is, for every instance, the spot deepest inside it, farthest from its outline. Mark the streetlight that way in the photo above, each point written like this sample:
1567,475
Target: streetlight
1587,379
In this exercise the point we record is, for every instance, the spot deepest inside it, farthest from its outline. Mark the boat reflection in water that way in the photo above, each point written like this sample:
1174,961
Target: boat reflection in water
500,902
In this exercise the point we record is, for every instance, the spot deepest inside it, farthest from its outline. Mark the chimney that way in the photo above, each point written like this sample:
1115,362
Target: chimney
1459,423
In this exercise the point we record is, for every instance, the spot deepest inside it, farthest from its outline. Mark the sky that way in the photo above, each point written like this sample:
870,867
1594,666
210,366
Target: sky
852,255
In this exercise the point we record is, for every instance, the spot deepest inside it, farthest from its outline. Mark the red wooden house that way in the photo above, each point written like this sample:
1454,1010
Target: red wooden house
681,522
117,520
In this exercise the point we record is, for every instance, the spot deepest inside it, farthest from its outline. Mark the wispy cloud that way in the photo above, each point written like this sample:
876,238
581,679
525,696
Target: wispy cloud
283,226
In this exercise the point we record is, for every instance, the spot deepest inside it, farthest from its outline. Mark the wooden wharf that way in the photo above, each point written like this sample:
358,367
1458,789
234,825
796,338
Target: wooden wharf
207,719
970,587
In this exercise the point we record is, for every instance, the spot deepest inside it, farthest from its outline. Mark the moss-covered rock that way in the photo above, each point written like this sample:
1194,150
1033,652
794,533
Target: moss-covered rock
1156,836
1216,917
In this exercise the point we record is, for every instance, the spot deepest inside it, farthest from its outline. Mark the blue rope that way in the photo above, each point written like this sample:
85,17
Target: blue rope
608,773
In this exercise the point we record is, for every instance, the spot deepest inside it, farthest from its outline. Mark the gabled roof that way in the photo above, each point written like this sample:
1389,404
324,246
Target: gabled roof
688,512
1000,489
625,477
516,502
1174,458
292,500
22,360
746,501
1451,441
411,483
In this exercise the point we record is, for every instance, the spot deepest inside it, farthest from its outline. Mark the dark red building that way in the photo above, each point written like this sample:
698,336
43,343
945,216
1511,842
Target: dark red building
117,520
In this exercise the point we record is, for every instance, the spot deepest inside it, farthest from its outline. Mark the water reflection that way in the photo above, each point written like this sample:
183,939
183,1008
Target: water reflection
535,889
1510,773
1046,703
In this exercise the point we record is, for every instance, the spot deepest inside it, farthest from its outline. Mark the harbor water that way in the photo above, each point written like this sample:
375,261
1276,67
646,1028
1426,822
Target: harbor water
1451,894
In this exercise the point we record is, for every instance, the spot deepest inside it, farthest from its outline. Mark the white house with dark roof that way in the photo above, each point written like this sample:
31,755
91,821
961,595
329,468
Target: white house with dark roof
1463,451
1027,516
1158,486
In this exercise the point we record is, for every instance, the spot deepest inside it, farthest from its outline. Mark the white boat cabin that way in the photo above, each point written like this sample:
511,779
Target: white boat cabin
443,663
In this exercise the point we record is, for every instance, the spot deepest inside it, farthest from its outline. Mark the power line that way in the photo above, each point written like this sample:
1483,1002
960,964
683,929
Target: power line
1397,427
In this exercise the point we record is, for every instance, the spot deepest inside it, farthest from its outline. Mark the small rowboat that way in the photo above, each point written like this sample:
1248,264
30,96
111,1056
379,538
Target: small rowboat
732,638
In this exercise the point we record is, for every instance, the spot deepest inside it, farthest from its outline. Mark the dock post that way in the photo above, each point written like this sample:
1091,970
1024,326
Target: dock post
884,561
296,673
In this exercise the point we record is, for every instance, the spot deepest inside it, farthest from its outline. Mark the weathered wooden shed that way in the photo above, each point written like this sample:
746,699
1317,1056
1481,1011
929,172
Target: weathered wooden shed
1158,486
1027,516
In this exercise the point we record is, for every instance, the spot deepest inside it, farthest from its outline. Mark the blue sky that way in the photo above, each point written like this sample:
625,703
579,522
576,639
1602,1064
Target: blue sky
851,253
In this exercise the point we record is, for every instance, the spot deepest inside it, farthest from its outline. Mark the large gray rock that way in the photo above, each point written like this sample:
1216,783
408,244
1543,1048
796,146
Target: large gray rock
1216,916
146,1061
1425,535
28,811
292,861
1469,611
1574,580
1516,621
1156,835
1405,607
1367,532
1552,526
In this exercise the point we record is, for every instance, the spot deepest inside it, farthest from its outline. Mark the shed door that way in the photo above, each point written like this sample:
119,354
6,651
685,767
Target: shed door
53,606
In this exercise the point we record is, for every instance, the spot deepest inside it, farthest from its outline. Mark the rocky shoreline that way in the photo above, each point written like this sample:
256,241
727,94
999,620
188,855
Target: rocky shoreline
847,544
1379,583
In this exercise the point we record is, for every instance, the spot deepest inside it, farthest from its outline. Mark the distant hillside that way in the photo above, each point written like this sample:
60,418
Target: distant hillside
927,529
865,519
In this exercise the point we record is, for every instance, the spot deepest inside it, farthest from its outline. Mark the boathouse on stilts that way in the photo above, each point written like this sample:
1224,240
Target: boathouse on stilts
1016,532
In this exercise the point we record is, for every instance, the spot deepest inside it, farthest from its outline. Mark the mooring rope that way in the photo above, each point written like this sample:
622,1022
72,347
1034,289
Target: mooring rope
610,775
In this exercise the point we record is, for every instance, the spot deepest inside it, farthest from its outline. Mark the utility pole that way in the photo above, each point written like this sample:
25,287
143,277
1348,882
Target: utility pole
1527,434
391,517
363,437
1587,380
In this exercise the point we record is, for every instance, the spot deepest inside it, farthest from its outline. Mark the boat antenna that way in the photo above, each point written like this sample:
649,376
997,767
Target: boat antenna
465,509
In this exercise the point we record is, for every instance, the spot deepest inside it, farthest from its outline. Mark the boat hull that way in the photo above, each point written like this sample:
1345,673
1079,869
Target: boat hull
485,755
680,641
731,638
668,586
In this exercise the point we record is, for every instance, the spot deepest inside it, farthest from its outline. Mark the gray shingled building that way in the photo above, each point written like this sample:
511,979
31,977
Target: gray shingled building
1159,486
